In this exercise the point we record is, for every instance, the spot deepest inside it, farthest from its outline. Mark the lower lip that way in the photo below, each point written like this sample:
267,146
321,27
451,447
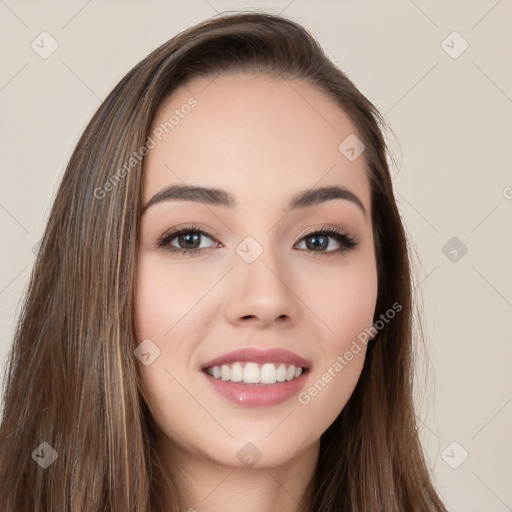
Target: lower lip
252,395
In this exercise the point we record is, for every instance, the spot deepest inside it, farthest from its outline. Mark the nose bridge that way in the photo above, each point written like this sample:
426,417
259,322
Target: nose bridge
260,283
259,263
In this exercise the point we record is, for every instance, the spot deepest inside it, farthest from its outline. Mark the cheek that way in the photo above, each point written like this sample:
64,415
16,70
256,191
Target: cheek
351,310
346,309
344,302
342,357
165,295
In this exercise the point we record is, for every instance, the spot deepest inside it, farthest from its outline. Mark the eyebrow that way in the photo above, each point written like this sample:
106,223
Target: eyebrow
219,197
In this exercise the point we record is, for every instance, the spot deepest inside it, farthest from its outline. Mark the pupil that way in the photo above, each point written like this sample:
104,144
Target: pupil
316,244
189,239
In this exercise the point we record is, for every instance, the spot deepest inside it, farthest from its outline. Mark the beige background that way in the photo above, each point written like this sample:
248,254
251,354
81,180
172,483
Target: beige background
452,118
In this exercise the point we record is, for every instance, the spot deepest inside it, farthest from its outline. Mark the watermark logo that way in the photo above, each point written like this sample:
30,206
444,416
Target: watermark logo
35,249
44,45
454,249
351,147
454,45
454,455
249,249
146,352
249,455
44,455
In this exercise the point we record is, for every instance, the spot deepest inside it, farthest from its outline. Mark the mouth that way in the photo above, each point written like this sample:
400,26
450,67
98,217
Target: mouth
256,394
254,374
253,378
254,366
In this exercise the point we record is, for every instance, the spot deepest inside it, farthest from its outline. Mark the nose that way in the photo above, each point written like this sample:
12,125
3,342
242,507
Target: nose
262,293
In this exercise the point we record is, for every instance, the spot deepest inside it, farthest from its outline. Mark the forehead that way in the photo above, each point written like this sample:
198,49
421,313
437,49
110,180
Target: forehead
254,135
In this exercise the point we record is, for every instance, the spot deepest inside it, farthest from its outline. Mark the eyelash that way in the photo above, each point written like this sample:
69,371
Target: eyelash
346,241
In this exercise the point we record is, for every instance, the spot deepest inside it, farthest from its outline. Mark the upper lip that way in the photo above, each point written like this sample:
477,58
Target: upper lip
274,355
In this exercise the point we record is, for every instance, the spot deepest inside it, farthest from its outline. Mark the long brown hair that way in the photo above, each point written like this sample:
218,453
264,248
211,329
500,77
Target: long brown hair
72,380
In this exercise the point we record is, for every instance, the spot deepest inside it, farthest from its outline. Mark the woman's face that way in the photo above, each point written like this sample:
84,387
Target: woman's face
261,278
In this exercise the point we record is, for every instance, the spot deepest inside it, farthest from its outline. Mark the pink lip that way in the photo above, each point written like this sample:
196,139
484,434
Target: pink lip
275,355
254,395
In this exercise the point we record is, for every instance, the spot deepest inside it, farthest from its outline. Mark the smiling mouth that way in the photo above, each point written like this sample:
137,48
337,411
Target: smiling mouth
255,374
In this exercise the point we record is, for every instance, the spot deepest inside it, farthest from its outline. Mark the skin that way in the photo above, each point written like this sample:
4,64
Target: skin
263,140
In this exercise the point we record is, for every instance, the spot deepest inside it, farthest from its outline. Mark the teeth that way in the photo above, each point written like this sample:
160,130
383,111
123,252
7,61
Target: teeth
268,374
252,373
236,373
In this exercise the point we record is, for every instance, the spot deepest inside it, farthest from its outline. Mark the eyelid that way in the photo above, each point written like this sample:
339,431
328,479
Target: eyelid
341,235
324,228
174,232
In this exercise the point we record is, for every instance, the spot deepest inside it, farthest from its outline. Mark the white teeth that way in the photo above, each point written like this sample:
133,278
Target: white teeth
281,373
268,374
224,372
290,373
237,373
252,373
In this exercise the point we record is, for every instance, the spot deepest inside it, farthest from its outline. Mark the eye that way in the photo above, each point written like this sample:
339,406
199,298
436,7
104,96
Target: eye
319,239
188,240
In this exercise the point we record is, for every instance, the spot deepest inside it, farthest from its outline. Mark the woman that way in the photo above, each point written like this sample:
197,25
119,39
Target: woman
220,313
